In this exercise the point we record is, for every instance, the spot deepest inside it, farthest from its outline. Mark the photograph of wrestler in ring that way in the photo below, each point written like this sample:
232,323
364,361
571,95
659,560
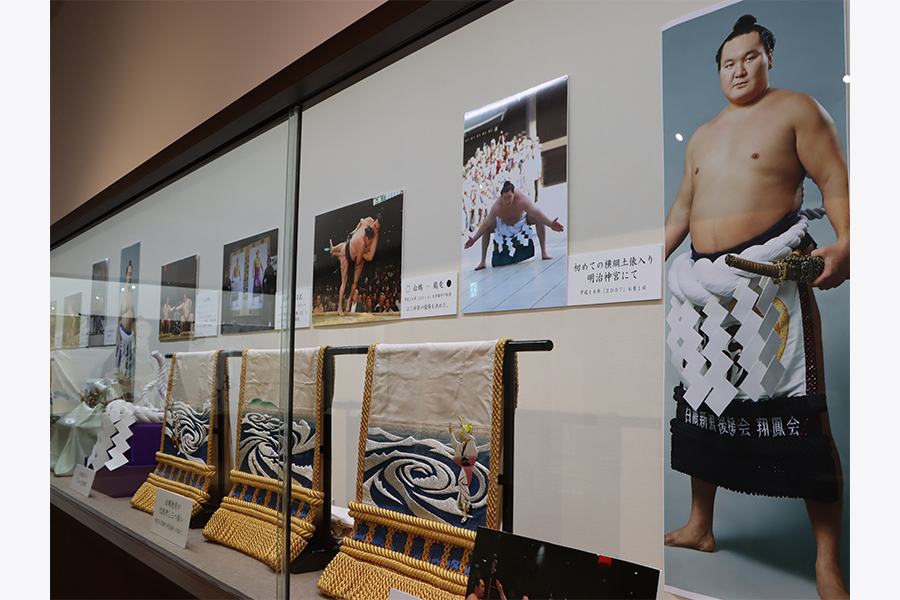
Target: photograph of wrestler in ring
357,262
99,292
757,454
178,293
515,201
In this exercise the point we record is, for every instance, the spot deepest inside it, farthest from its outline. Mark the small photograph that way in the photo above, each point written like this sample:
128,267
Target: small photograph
72,321
178,294
357,262
99,292
515,202
129,274
53,323
506,566
249,282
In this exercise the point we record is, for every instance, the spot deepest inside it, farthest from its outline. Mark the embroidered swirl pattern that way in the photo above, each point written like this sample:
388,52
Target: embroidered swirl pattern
261,449
187,431
419,478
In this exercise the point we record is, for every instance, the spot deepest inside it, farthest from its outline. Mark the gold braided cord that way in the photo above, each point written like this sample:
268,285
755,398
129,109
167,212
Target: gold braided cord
364,421
240,413
492,519
416,526
184,464
273,485
211,459
320,418
407,565
179,488
266,515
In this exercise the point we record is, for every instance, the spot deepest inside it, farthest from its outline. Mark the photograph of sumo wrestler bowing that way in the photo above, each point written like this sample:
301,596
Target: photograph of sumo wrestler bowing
357,262
515,201
755,168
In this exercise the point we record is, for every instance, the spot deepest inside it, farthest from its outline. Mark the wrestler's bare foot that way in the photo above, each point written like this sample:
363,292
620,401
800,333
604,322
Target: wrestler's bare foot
340,312
546,256
830,581
480,266
691,537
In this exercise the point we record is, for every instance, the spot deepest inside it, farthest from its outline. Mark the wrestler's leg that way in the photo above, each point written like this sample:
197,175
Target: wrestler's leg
825,517
542,237
698,533
343,260
485,244
356,273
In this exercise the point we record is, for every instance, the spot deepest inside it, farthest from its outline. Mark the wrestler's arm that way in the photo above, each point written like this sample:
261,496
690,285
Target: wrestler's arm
490,219
821,154
678,222
537,214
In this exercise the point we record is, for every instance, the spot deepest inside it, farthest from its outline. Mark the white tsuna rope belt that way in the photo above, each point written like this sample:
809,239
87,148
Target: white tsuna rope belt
702,291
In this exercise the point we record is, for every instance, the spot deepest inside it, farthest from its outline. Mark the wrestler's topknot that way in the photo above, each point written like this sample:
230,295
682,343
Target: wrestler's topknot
747,24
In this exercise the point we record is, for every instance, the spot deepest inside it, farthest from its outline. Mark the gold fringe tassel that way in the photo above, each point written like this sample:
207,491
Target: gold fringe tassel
372,578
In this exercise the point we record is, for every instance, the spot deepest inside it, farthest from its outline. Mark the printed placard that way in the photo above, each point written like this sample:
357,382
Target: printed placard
626,275
206,315
171,517
82,480
430,296
301,308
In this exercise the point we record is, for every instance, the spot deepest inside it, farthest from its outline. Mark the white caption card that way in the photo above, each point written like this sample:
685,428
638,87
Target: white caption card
206,314
396,594
82,480
627,275
429,296
171,517
109,334
301,308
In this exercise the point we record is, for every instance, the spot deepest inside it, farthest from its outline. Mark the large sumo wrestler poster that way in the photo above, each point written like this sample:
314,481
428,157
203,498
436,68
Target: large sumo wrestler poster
741,344
515,201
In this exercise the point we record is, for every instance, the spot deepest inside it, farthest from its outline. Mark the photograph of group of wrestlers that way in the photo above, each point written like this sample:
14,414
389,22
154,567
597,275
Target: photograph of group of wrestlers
357,262
504,566
178,293
515,201
755,168
249,283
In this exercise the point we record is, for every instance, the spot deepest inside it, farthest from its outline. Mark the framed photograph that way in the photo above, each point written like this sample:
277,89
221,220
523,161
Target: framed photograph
99,294
357,262
72,321
126,342
249,283
178,295
504,565
515,201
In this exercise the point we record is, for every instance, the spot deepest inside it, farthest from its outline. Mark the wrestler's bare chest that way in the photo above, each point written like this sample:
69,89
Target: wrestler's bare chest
745,175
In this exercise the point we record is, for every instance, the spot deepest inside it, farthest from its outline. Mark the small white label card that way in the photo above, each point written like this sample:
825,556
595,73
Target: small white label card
171,517
82,480
301,308
206,314
429,296
396,594
109,334
627,275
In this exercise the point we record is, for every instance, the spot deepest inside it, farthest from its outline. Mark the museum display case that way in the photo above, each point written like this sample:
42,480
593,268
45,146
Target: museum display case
316,255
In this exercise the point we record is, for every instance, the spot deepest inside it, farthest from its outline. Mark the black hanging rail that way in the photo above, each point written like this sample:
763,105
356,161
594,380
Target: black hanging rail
510,391
322,547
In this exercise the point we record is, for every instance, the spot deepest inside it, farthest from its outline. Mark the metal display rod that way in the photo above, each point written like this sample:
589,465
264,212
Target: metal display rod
510,391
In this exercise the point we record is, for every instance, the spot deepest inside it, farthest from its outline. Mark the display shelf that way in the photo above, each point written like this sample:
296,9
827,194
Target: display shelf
204,569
